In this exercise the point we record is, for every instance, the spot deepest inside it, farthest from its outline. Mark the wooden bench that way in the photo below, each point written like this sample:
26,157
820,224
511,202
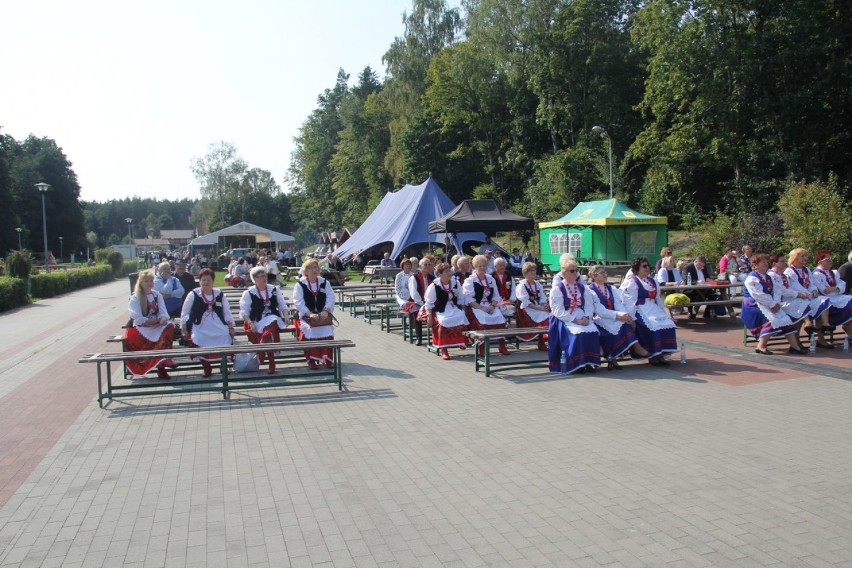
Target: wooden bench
729,304
360,303
804,339
371,290
386,315
486,336
225,380
374,271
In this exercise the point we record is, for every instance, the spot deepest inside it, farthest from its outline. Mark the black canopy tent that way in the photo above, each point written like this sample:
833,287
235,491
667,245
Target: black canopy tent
484,215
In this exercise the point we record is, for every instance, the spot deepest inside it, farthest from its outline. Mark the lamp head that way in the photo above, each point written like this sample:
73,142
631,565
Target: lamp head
598,130
18,229
43,187
128,220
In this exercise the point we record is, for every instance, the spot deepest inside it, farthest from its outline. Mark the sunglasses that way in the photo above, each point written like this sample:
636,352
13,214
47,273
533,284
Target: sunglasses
645,266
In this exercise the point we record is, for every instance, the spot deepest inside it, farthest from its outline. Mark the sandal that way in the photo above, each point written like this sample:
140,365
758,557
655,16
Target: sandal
764,351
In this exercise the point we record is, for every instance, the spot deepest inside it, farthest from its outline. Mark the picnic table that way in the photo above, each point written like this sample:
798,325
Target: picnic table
724,289
386,274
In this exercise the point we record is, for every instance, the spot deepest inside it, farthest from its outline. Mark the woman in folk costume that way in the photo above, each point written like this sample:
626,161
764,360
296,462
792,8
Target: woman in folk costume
417,285
264,313
400,283
613,319
206,319
654,328
151,327
505,286
483,301
830,285
448,321
762,312
533,305
795,304
313,297
801,280
572,334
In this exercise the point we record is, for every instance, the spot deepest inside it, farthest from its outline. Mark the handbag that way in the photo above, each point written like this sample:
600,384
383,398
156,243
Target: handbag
246,363
320,319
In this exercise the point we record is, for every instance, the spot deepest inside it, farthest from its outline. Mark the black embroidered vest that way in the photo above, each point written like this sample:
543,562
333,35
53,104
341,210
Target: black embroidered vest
315,304
199,306
256,311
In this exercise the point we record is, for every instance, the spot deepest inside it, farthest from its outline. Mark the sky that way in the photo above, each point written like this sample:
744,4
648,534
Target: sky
132,92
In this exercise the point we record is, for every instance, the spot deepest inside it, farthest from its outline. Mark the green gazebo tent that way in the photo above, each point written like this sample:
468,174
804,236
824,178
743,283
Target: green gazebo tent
606,232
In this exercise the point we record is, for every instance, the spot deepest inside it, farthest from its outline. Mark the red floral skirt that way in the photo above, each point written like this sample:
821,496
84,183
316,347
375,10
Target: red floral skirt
135,341
448,336
524,320
320,355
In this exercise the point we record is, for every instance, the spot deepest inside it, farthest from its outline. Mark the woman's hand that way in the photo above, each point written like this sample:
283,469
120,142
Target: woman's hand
803,295
624,318
231,331
815,293
163,321
582,321
775,309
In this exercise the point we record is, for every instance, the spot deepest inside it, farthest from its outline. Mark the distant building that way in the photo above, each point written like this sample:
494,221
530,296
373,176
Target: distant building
178,237
334,239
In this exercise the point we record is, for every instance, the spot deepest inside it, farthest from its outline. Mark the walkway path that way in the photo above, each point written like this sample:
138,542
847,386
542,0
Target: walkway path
730,460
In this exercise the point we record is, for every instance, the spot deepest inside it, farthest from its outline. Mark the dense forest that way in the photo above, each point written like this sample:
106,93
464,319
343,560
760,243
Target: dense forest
712,108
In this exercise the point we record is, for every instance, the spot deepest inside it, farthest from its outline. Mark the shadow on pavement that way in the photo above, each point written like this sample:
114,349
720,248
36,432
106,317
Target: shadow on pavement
240,400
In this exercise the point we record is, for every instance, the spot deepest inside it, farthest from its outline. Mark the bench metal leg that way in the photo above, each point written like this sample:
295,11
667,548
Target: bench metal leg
487,356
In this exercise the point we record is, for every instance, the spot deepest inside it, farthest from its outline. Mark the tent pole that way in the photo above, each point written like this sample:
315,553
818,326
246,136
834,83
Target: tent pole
606,245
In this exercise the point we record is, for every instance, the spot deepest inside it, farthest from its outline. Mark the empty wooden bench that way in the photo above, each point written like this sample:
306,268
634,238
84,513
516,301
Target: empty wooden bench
487,336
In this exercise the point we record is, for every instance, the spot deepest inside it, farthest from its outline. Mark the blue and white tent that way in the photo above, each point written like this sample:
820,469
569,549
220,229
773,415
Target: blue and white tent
402,218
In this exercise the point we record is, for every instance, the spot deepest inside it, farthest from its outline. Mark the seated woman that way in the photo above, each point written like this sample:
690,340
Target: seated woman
762,311
728,267
533,305
801,280
314,301
400,283
795,304
669,275
613,319
206,319
239,273
447,320
417,284
654,329
505,286
664,252
483,302
150,329
264,313
572,334
170,288
830,285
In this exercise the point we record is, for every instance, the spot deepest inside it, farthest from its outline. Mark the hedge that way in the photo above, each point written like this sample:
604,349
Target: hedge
49,284
13,293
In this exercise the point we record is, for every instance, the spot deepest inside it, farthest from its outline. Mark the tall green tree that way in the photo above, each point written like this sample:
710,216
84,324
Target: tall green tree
219,174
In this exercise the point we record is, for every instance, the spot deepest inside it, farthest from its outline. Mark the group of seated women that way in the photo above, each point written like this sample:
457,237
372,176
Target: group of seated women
582,320
783,295
206,318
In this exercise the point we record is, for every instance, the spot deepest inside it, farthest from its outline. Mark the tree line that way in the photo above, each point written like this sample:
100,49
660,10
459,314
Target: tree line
712,107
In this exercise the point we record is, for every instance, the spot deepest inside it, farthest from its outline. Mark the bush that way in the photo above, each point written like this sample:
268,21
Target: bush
13,293
102,255
127,267
116,260
18,264
49,284
816,217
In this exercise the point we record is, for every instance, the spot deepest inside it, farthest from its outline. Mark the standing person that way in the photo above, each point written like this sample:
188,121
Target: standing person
446,318
150,329
572,334
170,288
187,281
483,302
417,285
206,319
763,312
613,319
830,285
313,298
533,305
516,263
264,313
845,273
272,269
400,283
801,280
654,329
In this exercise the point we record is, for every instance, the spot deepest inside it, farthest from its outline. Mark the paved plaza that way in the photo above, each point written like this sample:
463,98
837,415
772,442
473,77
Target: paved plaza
733,459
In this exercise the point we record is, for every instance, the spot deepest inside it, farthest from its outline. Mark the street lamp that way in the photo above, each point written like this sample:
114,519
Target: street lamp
600,130
129,222
43,187
19,237
61,250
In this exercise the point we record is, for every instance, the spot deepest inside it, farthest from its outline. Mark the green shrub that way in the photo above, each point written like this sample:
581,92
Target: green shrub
18,264
13,293
817,217
102,255
127,267
49,284
116,260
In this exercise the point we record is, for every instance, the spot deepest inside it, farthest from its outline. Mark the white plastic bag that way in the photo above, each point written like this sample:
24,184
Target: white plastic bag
246,363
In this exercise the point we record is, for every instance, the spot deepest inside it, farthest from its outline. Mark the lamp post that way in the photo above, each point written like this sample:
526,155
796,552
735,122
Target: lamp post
600,130
19,237
43,187
61,250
